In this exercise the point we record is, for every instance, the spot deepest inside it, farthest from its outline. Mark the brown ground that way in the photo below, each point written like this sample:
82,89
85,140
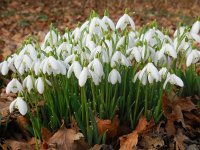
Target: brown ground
20,18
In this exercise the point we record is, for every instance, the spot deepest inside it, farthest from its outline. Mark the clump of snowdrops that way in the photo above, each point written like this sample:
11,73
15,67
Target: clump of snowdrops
101,69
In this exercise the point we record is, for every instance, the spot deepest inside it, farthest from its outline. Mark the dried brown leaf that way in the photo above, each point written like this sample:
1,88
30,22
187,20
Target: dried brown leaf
166,106
185,104
18,145
129,142
179,138
67,139
108,126
46,134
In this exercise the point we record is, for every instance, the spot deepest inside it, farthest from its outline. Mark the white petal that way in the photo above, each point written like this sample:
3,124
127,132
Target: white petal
40,85
12,106
21,105
189,59
4,69
77,69
83,77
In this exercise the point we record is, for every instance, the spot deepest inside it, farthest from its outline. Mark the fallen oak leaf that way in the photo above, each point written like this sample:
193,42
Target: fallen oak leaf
67,139
179,138
108,126
185,103
129,142
18,145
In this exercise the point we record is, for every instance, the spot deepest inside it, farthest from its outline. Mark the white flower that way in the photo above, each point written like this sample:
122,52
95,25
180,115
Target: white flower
10,61
97,26
167,49
52,38
114,77
28,83
97,66
193,57
4,68
108,22
124,21
30,51
23,63
76,68
134,53
195,31
101,52
63,50
85,74
19,104
119,58
83,77
173,79
149,72
39,84
14,86
76,34
36,67
163,72
52,66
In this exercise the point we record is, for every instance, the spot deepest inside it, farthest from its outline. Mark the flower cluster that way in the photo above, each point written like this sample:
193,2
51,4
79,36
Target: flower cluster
100,67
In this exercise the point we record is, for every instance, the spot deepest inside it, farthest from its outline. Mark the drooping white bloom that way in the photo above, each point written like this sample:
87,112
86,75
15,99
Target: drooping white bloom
63,50
52,38
23,63
97,67
76,34
19,104
146,52
108,22
76,68
39,84
193,57
10,61
124,21
163,73
97,26
134,53
119,58
30,51
150,73
4,68
169,50
173,79
52,66
195,31
36,66
14,86
114,77
28,83
101,52
85,73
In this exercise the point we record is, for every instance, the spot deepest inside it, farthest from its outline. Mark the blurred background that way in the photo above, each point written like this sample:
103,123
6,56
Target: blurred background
20,18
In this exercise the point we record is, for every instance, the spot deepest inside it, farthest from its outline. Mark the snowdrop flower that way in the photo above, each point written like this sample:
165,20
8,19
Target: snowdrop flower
195,31
52,66
114,77
23,63
167,49
14,86
173,79
146,52
19,104
84,26
63,50
119,58
193,57
10,61
179,32
30,51
4,68
28,83
76,34
36,67
149,72
99,50
52,38
163,72
124,21
97,67
39,84
85,73
107,21
76,68
134,53
97,26
120,42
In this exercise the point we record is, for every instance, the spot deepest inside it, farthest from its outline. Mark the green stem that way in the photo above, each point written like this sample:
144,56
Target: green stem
136,102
